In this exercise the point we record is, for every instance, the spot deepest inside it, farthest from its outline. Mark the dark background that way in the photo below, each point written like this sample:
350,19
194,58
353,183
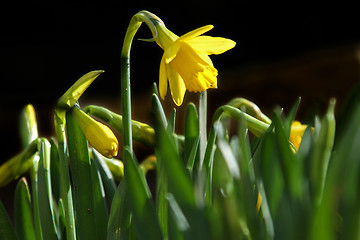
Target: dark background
282,52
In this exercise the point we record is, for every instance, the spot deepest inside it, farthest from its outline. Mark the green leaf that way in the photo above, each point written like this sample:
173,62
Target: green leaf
46,208
6,230
227,153
191,137
139,200
106,176
161,193
193,156
322,153
62,218
291,166
179,220
268,168
120,216
179,183
82,180
66,197
291,117
157,110
171,123
23,212
35,195
100,207
55,170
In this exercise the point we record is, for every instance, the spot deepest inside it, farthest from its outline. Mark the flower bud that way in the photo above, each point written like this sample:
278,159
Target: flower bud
99,135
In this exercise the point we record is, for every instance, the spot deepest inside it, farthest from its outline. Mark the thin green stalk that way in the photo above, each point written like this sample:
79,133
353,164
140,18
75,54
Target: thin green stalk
135,23
202,124
125,82
65,188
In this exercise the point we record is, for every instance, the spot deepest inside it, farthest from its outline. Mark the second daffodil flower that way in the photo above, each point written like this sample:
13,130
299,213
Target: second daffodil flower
99,135
296,133
185,63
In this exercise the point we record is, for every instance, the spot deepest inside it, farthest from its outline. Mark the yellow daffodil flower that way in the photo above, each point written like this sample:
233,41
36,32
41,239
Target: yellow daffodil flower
99,135
296,133
186,63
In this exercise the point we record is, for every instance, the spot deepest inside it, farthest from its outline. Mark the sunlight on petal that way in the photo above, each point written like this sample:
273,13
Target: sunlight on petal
177,86
195,33
171,51
162,78
211,45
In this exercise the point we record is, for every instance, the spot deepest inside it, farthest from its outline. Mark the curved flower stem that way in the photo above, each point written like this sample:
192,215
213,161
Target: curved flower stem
256,126
135,23
125,82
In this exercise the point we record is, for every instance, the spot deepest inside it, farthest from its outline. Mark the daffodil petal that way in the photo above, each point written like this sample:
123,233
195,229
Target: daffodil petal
211,45
177,86
171,51
194,33
162,78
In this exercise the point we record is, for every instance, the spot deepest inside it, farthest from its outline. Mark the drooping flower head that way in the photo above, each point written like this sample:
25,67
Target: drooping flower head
185,63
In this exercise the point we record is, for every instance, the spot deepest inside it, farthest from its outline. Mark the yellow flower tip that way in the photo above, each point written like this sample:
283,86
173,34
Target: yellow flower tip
99,135
258,202
102,139
296,133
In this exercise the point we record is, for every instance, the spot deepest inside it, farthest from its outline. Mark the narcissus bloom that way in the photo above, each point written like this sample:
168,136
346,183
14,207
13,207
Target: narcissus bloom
186,63
99,135
296,133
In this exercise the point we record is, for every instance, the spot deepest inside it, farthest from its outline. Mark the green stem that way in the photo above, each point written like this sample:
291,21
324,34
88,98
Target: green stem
134,25
202,124
65,188
125,81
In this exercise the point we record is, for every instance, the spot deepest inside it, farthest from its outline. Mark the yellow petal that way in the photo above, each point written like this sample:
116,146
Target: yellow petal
162,78
211,45
171,51
177,86
296,133
195,33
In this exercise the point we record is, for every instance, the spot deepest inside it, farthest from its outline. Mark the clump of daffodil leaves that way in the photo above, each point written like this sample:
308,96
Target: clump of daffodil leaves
271,178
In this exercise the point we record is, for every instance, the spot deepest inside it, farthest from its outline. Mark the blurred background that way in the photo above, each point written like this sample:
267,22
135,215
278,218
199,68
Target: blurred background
282,52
